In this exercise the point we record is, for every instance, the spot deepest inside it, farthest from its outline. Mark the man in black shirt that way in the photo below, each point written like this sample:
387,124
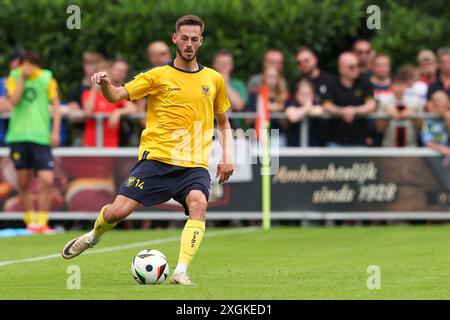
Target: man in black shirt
350,96
308,69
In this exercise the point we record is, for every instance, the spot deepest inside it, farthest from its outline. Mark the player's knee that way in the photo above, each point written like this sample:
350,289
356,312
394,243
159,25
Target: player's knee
23,185
197,207
46,182
113,214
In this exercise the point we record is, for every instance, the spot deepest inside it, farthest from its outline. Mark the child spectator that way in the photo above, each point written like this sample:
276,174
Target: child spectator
435,131
278,94
304,104
400,131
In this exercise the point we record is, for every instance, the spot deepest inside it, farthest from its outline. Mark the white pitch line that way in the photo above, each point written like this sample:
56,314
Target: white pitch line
130,246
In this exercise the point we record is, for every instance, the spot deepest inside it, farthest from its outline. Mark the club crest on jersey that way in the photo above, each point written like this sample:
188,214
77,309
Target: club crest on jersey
205,90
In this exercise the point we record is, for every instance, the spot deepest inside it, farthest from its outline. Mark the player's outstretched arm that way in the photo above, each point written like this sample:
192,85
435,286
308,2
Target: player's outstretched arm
225,167
112,93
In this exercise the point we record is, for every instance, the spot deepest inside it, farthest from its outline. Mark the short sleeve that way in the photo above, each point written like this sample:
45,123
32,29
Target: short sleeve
10,86
221,102
52,90
367,90
142,85
329,94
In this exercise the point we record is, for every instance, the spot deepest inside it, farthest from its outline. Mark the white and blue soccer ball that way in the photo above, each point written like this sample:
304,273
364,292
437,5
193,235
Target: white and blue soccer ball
150,266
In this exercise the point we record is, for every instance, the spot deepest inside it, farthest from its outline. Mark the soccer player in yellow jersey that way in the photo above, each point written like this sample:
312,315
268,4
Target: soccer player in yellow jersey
183,97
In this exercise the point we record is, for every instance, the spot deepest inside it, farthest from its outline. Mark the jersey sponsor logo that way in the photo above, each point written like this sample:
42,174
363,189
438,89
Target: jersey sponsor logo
174,89
205,90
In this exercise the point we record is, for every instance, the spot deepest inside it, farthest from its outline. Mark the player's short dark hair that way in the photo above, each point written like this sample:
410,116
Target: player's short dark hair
32,57
190,20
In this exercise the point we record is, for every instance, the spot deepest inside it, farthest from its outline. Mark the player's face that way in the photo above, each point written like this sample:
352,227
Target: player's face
187,40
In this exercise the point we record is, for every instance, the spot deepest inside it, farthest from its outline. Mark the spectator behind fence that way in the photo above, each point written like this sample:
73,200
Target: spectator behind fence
365,53
158,53
350,96
400,131
435,132
91,64
304,104
94,103
380,80
236,88
31,90
308,68
5,103
272,58
443,81
129,133
426,61
278,95
426,74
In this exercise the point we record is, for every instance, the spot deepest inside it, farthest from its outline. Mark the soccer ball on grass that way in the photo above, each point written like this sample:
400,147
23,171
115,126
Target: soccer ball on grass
150,266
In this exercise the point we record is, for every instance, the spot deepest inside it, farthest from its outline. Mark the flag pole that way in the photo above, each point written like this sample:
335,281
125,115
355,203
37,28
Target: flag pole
266,179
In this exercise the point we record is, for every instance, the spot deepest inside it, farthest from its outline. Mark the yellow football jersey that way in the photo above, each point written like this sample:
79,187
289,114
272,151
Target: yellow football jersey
180,113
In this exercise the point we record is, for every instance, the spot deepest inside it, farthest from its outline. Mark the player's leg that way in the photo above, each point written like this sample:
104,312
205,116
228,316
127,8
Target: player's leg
20,155
24,178
42,161
191,236
109,216
45,195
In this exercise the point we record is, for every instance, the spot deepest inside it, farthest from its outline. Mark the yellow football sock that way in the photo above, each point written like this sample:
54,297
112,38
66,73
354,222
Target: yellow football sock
42,218
29,217
101,226
191,237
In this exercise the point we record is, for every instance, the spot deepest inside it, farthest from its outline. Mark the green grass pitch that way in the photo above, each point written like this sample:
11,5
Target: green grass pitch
283,263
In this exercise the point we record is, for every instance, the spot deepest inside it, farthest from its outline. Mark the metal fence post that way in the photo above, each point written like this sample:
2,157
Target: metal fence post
99,130
304,132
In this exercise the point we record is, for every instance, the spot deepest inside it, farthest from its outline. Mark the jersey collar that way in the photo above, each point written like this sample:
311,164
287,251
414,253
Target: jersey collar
200,68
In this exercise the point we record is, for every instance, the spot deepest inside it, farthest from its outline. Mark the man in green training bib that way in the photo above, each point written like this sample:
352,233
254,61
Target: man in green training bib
30,134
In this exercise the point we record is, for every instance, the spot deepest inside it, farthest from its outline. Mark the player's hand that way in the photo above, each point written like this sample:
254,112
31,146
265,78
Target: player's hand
224,171
55,140
100,78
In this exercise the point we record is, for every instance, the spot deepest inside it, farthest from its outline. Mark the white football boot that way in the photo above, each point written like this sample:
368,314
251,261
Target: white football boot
181,278
77,246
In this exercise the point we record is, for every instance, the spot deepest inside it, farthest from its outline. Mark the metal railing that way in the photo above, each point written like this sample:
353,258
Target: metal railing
303,128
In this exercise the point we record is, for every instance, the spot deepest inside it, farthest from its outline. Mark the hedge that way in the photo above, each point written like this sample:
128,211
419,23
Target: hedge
246,27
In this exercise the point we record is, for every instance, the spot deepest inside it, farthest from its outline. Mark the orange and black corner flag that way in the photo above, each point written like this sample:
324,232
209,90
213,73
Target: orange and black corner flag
262,112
